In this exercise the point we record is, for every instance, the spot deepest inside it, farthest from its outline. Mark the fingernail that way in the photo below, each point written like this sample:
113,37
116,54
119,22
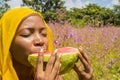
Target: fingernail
80,53
55,51
60,64
80,48
59,55
41,50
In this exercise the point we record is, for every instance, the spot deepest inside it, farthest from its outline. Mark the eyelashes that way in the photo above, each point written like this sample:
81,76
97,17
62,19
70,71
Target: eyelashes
27,35
44,34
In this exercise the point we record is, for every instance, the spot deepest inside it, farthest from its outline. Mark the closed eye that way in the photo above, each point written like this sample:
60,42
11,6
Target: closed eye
44,34
25,35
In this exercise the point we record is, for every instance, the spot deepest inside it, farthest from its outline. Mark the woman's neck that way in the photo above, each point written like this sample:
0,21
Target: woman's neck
23,72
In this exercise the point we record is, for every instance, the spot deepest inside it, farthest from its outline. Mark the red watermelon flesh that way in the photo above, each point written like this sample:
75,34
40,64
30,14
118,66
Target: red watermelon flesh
63,51
69,56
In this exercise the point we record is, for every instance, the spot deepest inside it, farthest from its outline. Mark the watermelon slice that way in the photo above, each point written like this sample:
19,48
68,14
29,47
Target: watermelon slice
69,56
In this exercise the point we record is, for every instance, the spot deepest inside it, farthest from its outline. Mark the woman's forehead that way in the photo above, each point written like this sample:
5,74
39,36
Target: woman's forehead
32,21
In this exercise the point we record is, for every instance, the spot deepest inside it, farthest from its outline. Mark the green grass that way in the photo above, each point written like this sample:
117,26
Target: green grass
101,44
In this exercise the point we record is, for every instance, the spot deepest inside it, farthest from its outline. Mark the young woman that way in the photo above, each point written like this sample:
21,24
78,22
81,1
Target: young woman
23,31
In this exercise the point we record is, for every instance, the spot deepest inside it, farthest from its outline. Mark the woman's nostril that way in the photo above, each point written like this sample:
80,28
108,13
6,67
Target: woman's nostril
39,44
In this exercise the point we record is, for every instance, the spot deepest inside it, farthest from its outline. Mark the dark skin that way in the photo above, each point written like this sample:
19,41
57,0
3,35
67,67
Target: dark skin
87,73
30,38
51,72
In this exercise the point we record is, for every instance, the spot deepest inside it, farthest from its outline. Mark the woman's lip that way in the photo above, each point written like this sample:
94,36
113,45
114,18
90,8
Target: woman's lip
35,52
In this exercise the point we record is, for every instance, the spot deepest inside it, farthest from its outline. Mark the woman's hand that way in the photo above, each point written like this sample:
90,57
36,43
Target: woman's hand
52,68
87,73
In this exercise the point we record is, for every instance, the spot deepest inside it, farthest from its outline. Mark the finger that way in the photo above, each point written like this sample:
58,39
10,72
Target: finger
58,77
91,71
80,72
76,69
50,63
87,67
56,68
40,62
84,62
84,54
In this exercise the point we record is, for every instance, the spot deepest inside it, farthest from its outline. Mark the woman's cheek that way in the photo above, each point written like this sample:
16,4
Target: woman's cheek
24,44
46,43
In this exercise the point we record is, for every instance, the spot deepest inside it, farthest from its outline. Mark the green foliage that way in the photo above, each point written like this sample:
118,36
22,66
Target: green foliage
57,16
117,14
102,45
50,15
3,7
93,14
47,7
90,14
70,75
114,68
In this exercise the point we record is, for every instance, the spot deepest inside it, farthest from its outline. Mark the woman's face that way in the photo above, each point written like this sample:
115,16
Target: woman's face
30,37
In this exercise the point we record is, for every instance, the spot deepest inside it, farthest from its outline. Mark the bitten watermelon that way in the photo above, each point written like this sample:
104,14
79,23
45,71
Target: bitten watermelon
69,56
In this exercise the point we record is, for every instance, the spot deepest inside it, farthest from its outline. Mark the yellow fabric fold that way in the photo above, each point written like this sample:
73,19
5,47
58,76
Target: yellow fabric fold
8,26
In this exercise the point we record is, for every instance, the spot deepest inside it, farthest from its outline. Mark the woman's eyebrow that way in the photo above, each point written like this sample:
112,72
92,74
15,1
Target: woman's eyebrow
32,29
43,28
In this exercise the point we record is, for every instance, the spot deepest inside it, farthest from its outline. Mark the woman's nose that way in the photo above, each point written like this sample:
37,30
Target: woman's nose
38,41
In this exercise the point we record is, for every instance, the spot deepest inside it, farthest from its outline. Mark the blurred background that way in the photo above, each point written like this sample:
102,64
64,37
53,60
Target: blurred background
92,24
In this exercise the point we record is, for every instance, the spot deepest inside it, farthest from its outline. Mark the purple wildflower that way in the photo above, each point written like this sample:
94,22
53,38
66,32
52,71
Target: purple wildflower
105,45
111,61
109,65
55,42
71,35
105,34
118,58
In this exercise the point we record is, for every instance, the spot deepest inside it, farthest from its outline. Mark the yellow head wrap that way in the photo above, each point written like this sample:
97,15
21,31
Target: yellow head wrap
8,25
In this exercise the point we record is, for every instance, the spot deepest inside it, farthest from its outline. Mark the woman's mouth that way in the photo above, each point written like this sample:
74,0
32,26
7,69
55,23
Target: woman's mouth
37,51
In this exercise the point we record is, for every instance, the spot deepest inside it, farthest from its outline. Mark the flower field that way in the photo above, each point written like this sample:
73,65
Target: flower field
101,44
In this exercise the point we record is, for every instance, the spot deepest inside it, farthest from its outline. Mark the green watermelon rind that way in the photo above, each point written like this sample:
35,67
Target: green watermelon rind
67,61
